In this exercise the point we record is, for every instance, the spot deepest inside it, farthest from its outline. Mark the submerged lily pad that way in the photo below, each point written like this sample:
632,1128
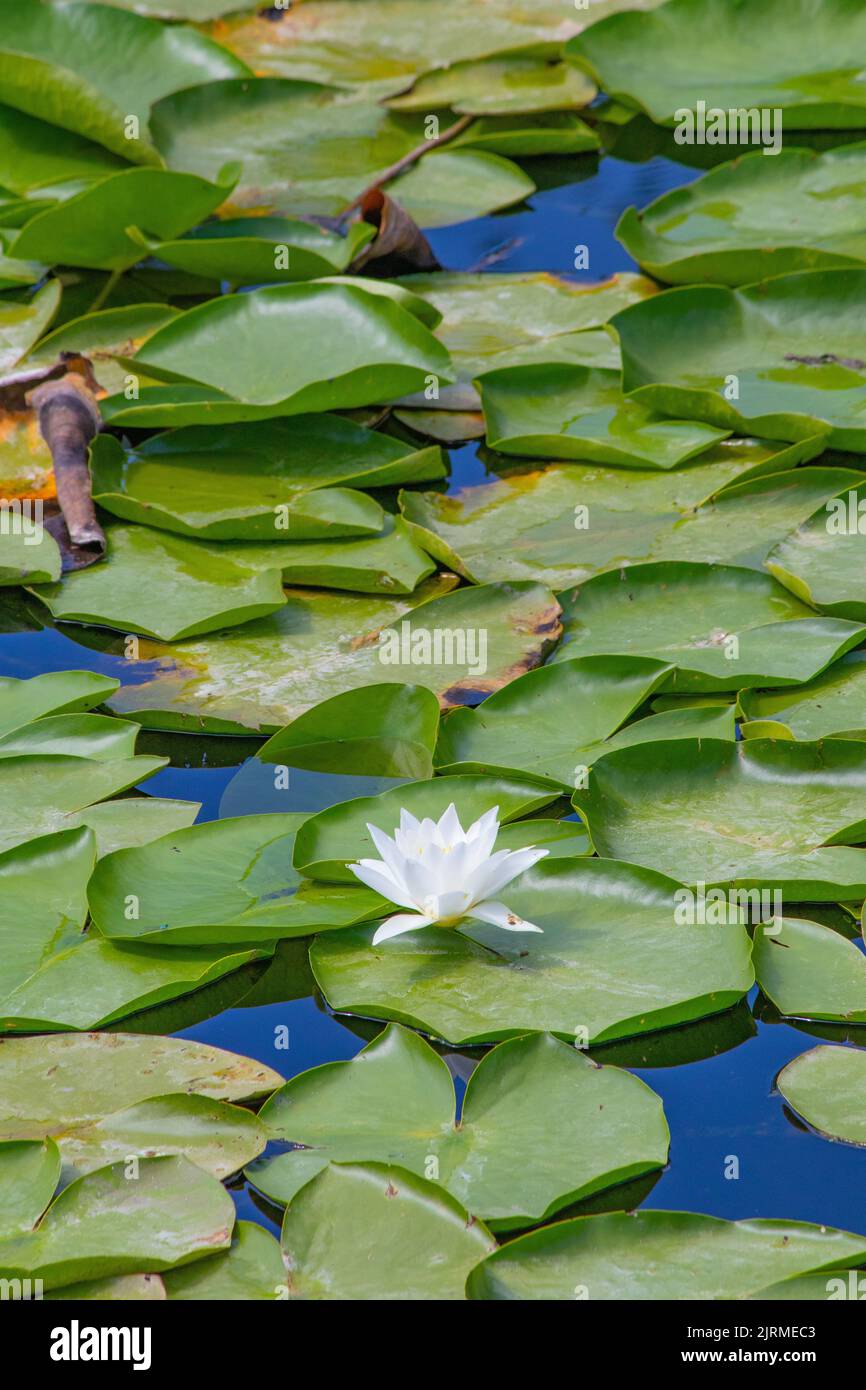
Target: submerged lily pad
827,1088
107,1223
750,56
88,68
659,1255
270,480
724,628
782,359
328,842
163,586
265,674
540,1128
381,1231
564,523
811,971
574,710
560,411
754,218
90,229
611,962
822,560
226,881
768,813
51,1083
383,730
831,706
261,250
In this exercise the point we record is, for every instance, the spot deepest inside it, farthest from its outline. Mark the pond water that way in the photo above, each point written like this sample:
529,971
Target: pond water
735,1151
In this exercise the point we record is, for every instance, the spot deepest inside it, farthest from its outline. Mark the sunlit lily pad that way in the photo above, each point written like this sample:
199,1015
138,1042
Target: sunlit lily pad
51,1083
560,411
811,971
29,1171
123,1288
390,563
381,1231
265,481
659,1255
54,692
101,337
261,250
768,813
701,50
252,1268
822,561
574,710
611,962
164,586
754,218
90,229
98,736
43,794
564,523
307,347
831,706
724,628
782,359
324,148
386,730
515,83
224,882
394,1103
89,67
28,558
21,324
264,674
827,1088
134,820
110,1223
329,841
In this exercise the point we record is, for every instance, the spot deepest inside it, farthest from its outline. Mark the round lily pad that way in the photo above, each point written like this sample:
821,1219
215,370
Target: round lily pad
810,971
827,1088
611,961
541,1125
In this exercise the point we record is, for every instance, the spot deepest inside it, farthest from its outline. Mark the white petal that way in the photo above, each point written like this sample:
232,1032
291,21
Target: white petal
376,876
482,835
498,915
395,926
449,831
389,852
518,861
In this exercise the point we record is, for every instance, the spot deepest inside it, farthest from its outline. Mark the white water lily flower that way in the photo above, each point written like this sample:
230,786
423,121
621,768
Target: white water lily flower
444,873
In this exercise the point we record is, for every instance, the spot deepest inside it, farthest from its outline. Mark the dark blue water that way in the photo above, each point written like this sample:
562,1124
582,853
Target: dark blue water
716,1078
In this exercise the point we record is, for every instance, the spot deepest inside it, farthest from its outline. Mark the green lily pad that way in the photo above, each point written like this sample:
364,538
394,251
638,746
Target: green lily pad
307,347
252,1268
26,470
51,1083
690,51
826,1088
229,483
24,702
811,971
109,1223
44,901
768,813
574,710
381,1230
831,706
611,962
30,1171
781,359
514,83
562,524
163,586
88,68
815,1288
659,1255
15,273
375,45
723,628
326,843
91,985
40,794
260,250
524,137
37,154
821,559
123,1288
384,730
265,674
101,337
224,882
754,218
496,320
21,324
560,411
28,558
97,736
90,229
136,820
323,150
395,1103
